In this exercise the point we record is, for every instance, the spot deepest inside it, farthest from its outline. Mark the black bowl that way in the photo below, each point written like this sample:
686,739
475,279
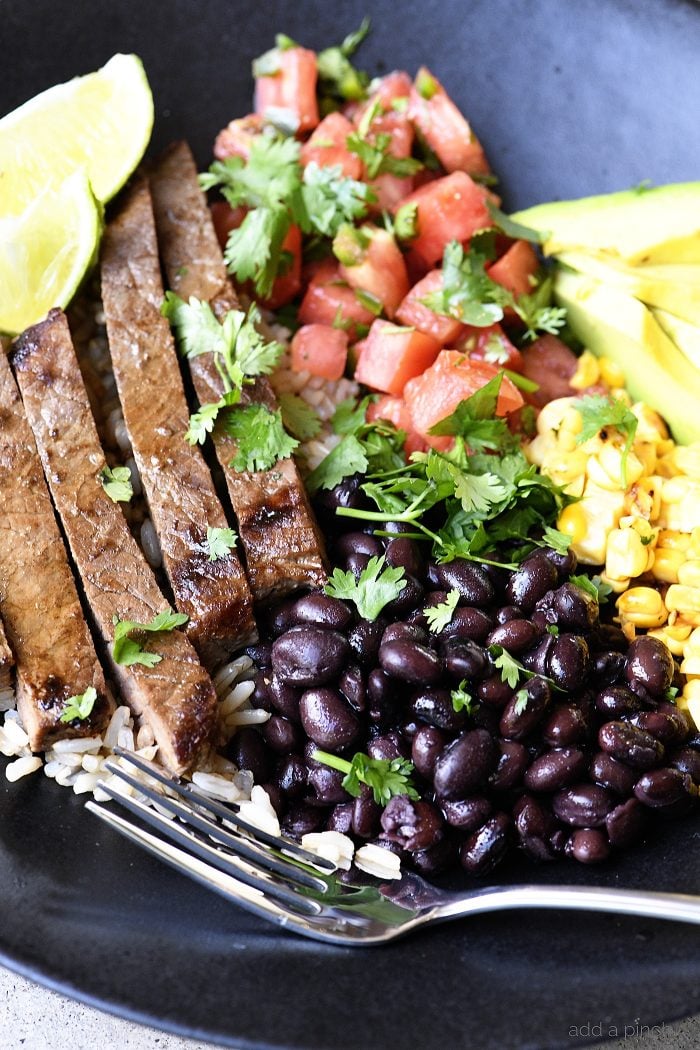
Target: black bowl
569,99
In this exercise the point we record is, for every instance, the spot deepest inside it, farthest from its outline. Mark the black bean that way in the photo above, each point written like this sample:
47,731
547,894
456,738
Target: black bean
650,663
437,858
535,826
357,563
511,766
277,798
535,577
410,662
281,617
366,814
435,707
411,825
358,543
537,659
660,788
282,735
519,719
509,612
610,773
485,848
556,769
347,494
687,759
285,697
607,667
464,659
589,846
467,814
408,728
248,750
260,654
663,725
631,745
494,691
302,819
582,805
364,640
340,818
387,746
408,599
432,574
566,724
384,700
607,636
616,701
261,693
465,764
352,685
626,823
516,636
397,632
565,564
569,607
291,776
473,584
405,553
321,609
468,623
328,719
327,785
397,528
568,661
426,746
309,655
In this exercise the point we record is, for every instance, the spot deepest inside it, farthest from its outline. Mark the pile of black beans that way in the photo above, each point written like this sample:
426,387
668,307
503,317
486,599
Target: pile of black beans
577,766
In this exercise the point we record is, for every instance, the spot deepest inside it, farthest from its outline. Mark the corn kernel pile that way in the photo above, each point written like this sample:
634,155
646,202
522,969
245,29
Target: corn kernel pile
645,529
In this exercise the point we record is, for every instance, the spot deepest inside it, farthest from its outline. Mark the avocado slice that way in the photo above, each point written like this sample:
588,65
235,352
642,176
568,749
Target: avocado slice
637,226
675,288
685,336
615,325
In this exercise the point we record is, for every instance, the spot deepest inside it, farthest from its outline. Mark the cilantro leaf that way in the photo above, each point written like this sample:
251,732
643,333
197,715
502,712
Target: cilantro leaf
468,293
253,250
386,777
270,175
202,422
557,540
220,542
377,585
438,616
260,436
479,493
331,198
509,667
377,158
521,698
116,481
79,706
598,412
298,416
347,458
462,700
128,651
536,313
350,414
594,586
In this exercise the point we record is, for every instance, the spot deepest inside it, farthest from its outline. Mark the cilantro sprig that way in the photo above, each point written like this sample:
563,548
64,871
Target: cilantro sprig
594,586
599,412
462,699
386,777
512,671
364,448
439,616
298,416
220,542
116,481
128,651
79,707
377,585
260,438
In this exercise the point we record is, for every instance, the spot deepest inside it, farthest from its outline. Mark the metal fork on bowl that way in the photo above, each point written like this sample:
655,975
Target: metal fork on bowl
277,879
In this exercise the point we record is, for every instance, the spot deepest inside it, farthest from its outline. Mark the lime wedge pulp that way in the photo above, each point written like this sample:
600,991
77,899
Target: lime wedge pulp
100,123
46,250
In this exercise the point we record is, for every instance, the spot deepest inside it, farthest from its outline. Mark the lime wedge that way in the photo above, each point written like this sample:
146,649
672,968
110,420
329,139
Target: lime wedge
45,252
100,122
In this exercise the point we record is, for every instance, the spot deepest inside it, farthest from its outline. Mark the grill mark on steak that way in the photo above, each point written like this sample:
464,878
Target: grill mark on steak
46,631
180,492
283,546
176,697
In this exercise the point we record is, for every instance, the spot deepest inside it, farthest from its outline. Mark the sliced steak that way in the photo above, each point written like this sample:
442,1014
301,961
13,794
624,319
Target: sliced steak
176,696
7,662
180,492
39,602
283,546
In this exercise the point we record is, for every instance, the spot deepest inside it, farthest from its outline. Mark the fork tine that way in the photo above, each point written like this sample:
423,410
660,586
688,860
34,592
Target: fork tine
192,794
253,853
261,881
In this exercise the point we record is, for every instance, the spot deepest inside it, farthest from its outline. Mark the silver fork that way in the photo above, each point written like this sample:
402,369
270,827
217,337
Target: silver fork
277,879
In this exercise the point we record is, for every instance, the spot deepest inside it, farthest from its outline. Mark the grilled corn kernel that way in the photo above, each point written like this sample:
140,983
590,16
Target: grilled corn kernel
617,586
542,447
690,665
626,555
619,394
666,564
687,459
680,503
573,521
674,540
683,599
674,637
589,522
689,573
650,425
693,549
694,710
643,607
587,372
645,451
551,416
610,372
643,499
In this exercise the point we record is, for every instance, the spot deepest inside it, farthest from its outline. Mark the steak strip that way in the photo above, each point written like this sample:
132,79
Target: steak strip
283,547
176,696
7,662
39,602
180,492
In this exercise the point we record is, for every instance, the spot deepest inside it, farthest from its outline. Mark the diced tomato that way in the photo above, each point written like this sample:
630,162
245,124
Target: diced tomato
390,88
451,208
550,363
489,344
330,300
236,138
444,128
371,261
395,410
514,268
288,285
413,312
452,378
292,87
392,355
328,146
225,219
320,350
389,190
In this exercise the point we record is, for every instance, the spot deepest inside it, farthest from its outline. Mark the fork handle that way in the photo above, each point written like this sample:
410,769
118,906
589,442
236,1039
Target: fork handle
679,907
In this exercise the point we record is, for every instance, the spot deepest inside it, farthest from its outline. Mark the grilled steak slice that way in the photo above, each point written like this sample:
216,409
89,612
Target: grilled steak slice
176,696
39,602
283,547
180,492
7,662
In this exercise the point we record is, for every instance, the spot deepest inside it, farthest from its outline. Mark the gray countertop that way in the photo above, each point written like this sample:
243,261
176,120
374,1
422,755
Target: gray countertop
33,1018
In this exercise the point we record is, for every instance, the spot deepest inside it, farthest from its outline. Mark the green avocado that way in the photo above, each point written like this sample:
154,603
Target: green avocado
616,325
675,288
685,336
638,226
